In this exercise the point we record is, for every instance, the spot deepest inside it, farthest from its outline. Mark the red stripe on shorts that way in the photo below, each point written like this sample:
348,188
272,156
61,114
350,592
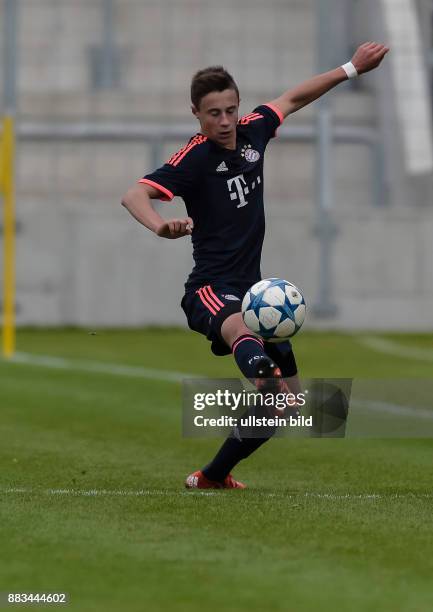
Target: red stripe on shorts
209,298
211,295
209,305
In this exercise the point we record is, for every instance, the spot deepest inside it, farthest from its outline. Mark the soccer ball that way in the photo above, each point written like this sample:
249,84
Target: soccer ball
274,309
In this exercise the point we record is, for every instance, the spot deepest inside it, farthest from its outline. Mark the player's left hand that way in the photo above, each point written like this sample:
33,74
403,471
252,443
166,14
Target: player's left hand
368,56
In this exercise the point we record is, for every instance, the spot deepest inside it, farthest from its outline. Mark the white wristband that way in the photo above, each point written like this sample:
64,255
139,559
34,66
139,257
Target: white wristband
350,70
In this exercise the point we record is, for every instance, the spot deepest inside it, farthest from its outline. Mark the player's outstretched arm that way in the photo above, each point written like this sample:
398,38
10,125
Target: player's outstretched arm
367,57
137,202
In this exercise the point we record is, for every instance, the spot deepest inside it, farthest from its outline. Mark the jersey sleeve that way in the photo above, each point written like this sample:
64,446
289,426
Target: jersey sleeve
265,120
180,173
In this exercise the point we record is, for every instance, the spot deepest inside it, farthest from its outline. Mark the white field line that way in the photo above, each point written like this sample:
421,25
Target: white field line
381,345
100,367
156,492
393,409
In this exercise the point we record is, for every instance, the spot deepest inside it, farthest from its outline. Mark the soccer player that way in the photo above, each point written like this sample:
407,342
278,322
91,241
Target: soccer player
219,175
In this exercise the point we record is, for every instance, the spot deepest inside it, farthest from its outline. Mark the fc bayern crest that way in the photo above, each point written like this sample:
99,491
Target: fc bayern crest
250,154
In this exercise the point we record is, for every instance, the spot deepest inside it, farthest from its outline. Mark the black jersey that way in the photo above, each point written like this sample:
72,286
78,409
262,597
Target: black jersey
223,193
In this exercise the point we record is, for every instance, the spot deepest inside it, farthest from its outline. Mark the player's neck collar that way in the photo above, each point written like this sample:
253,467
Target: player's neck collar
216,144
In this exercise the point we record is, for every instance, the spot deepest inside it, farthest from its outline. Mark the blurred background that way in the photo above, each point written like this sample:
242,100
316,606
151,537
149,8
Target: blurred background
102,97
92,458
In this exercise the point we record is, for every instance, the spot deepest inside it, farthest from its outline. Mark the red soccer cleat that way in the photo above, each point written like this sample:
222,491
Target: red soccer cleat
197,480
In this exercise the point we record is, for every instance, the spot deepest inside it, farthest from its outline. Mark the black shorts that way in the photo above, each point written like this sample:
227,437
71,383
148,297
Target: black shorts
209,306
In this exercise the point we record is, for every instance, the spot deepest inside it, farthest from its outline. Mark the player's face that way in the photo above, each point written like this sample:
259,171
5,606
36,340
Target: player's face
218,116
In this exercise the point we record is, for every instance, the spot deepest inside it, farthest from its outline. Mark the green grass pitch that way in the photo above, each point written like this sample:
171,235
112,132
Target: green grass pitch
92,500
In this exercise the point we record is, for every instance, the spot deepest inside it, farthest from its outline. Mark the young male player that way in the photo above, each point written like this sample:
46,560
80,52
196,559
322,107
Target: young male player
219,175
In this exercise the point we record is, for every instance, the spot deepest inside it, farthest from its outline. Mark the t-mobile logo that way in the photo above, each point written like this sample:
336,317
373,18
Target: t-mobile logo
240,189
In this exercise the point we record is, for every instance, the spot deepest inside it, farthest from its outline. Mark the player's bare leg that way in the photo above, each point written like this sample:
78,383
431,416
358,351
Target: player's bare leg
233,328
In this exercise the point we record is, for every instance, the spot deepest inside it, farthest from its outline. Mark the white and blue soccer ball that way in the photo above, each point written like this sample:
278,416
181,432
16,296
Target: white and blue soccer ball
274,309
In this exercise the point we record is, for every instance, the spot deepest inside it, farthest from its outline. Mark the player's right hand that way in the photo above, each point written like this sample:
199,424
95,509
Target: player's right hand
175,228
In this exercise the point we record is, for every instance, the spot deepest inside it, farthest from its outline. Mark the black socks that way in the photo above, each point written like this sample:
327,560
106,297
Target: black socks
247,351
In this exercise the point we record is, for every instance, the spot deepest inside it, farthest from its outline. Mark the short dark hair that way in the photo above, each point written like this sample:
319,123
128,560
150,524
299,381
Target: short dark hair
213,78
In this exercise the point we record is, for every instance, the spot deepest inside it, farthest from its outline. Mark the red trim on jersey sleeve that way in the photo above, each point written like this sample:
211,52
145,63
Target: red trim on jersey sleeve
276,111
246,119
178,157
166,193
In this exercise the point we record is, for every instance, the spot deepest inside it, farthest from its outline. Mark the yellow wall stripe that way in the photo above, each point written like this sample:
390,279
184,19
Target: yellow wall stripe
7,186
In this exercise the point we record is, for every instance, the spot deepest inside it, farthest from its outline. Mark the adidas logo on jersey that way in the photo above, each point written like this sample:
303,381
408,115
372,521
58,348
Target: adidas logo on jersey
222,167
